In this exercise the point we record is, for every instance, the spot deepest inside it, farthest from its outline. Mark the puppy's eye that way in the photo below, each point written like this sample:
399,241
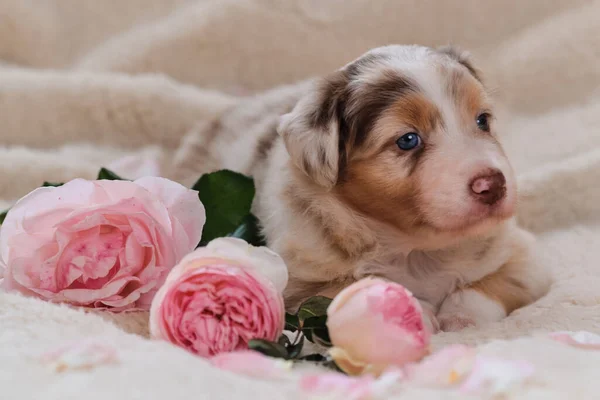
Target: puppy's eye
409,141
483,122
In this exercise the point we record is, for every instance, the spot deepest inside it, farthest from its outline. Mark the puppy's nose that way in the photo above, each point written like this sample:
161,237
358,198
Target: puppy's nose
489,188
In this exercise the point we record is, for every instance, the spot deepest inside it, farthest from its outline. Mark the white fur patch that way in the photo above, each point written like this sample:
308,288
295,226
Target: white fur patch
472,305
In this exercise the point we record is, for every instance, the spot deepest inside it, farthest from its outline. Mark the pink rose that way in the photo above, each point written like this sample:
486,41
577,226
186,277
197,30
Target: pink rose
221,296
374,324
104,244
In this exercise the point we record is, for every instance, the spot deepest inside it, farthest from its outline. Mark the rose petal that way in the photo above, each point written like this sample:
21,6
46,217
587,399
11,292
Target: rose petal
137,198
184,206
260,260
338,386
41,201
121,302
252,363
445,367
496,376
88,296
581,339
82,354
334,385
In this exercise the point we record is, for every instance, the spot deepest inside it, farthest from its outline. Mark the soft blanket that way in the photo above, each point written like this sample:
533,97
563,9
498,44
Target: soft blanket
87,83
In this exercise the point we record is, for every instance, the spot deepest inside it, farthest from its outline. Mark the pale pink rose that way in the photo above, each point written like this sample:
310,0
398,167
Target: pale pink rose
104,244
374,324
253,364
221,296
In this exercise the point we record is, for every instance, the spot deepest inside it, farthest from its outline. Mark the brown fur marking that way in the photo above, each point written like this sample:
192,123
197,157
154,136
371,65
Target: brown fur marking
368,183
366,107
467,94
503,287
346,249
463,58
416,110
263,147
368,189
355,112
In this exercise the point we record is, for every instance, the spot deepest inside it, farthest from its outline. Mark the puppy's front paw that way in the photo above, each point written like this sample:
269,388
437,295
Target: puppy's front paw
430,321
429,318
468,307
454,322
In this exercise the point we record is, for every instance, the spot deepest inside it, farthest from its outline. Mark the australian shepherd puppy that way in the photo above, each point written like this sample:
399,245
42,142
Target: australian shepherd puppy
392,167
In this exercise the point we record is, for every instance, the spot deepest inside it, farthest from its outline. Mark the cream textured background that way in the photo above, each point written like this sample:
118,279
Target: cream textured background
86,82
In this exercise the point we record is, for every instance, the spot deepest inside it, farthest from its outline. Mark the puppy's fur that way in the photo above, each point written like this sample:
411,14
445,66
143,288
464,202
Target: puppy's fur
339,200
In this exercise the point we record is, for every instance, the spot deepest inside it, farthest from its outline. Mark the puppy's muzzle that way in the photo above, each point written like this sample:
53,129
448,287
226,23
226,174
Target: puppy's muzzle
489,188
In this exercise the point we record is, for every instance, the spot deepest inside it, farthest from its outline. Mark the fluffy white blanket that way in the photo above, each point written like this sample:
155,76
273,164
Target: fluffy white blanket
85,83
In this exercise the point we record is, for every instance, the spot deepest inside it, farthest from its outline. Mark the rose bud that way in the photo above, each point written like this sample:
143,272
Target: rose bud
103,244
221,296
375,324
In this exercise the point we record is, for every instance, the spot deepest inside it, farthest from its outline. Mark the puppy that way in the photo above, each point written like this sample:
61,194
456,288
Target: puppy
391,167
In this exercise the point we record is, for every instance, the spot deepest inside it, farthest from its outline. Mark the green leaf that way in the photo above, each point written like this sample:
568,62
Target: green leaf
109,175
3,216
316,357
227,197
315,330
284,341
321,337
268,348
292,350
52,184
319,322
321,360
249,230
295,349
291,322
313,307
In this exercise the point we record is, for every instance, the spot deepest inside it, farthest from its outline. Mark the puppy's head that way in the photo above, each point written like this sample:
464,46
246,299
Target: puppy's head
405,135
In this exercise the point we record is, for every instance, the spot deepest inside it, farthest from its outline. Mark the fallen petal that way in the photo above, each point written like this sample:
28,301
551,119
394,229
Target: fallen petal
445,367
83,354
383,385
333,385
581,339
252,363
337,386
496,376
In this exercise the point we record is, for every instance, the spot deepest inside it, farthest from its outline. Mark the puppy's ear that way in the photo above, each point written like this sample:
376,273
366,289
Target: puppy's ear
462,57
311,131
